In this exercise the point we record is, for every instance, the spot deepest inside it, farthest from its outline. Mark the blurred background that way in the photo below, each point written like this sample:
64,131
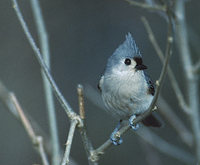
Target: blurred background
82,35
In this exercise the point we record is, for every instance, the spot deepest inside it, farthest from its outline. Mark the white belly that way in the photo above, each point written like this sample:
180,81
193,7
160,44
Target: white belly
126,96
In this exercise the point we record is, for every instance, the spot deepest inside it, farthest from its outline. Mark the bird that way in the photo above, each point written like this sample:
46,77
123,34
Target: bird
126,89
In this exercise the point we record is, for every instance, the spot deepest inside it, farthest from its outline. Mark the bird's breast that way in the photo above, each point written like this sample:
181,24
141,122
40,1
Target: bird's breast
126,95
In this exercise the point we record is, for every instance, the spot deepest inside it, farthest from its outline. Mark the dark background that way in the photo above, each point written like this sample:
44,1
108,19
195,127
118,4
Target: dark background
82,35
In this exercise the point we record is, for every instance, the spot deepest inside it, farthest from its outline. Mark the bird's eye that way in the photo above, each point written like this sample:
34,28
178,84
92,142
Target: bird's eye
127,61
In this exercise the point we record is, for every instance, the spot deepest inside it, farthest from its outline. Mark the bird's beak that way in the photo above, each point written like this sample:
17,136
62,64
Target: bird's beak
141,67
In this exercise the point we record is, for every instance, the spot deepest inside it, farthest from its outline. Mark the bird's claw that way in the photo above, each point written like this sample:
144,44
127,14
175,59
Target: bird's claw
132,125
115,138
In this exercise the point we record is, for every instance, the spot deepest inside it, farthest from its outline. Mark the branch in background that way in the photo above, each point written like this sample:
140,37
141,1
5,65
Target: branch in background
164,109
147,6
93,95
99,151
10,100
164,147
175,121
172,78
69,111
194,40
68,144
71,114
151,156
83,130
191,78
44,43
5,98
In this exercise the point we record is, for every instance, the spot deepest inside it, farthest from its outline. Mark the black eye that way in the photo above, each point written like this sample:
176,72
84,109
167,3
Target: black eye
127,61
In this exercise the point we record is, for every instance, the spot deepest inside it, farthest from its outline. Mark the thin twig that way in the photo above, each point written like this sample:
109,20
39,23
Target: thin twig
83,130
176,123
10,101
81,101
44,43
68,144
36,140
6,100
69,111
164,109
165,147
99,151
191,78
147,6
172,78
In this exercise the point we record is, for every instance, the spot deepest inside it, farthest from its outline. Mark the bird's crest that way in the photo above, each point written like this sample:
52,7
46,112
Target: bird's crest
127,49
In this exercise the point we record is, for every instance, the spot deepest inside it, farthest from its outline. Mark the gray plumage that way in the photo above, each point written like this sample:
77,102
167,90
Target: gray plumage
127,49
125,88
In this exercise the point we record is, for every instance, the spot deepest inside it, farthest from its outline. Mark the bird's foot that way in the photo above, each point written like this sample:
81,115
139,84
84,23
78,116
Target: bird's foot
115,138
132,125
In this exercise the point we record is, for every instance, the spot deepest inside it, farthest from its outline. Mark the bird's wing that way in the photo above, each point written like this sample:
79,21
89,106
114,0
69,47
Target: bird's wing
151,89
99,86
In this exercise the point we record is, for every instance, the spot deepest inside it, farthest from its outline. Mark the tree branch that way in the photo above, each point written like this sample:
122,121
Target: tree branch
69,111
175,121
165,147
83,130
191,78
174,83
99,151
36,140
44,43
147,6
68,144
10,100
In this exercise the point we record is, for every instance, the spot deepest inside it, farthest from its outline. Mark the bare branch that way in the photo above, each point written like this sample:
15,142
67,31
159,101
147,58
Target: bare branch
164,109
44,43
5,97
82,128
172,78
36,140
69,111
81,101
10,100
99,151
191,78
165,147
147,6
68,144
175,121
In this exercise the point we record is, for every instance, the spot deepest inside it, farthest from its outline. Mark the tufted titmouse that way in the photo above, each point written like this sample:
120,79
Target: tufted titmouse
126,89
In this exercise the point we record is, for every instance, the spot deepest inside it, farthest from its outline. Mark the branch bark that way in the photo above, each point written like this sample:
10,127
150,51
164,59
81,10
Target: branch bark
83,129
174,83
147,6
191,78
10,100
99,151
69,111
179,126
44,44
165,147
68,144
